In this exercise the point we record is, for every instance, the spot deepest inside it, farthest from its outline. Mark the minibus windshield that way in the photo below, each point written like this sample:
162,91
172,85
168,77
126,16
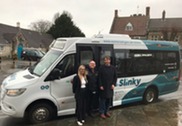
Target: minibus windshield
40,67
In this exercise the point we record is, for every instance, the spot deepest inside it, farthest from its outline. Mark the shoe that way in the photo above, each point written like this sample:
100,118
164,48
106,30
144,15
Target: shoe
108,115
103,116
83,121
79,123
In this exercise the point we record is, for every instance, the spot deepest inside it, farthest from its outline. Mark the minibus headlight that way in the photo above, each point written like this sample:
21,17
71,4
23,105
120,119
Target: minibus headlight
15,92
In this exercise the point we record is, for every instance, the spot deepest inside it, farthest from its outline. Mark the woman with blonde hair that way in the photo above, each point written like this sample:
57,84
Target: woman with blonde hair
79,89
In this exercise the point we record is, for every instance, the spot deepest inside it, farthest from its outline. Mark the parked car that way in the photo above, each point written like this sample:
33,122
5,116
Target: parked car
32,54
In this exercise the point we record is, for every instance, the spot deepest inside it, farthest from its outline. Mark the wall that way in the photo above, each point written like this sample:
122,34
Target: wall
5,51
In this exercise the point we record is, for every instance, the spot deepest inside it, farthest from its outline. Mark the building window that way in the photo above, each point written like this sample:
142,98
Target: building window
177,38
129,27
154,37
1,48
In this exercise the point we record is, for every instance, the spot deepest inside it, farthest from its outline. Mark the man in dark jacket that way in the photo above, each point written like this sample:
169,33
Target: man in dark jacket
92,99
107,82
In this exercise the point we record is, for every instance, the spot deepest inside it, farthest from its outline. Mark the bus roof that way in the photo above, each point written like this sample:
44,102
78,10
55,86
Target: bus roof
161,45
119,42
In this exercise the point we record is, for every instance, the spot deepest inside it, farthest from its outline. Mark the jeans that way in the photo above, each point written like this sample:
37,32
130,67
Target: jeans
104,105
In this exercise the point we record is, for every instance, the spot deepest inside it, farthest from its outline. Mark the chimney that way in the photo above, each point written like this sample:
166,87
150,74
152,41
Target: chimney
147,11
163,15
18,24
116,13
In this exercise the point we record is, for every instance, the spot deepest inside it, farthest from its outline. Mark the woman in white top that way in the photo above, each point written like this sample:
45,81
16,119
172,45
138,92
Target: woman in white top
79,89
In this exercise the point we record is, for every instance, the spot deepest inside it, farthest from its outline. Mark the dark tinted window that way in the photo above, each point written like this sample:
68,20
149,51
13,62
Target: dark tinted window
120,62
67,66
86,56
144,62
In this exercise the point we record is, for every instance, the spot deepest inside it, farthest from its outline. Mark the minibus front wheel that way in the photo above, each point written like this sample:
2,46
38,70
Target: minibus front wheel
150,95
40,112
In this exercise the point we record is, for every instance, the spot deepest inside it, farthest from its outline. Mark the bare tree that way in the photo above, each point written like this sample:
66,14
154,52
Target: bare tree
169,34
174,32
40,26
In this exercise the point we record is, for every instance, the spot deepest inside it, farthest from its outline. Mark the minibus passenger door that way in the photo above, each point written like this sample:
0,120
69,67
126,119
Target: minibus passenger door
107,50
96,52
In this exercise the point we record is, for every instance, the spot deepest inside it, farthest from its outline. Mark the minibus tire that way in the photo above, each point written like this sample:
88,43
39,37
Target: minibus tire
150,95
40,112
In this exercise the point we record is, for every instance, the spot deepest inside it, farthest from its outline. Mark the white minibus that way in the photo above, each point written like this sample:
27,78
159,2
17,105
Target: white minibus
146,69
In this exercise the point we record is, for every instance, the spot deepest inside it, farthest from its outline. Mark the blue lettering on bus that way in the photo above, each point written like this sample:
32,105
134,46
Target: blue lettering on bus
44,87
128,82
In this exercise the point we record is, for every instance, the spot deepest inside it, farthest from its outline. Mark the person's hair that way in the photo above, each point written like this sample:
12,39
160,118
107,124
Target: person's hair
92,61
107,57
79,74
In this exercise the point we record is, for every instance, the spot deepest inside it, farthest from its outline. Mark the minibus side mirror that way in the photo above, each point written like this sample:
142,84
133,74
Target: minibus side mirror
54,75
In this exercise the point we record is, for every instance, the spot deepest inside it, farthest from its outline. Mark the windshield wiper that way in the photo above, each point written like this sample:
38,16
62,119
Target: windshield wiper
30,69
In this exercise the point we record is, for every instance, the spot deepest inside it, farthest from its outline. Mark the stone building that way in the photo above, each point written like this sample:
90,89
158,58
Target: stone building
11,37
143,27
135,26
163,28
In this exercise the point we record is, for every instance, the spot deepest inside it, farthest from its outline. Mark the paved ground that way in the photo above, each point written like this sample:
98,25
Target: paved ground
162,113
166,112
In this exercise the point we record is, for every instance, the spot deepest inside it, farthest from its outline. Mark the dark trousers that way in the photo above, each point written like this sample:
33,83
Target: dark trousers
92,101
81,105
104,105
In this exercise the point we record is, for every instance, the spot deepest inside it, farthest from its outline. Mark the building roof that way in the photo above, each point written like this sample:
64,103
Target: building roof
139,23
5,32
34,39
166,24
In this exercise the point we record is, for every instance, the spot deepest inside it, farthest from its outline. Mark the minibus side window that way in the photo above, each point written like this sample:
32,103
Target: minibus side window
104,52
171,61
86,56
120,62
67,66
141,62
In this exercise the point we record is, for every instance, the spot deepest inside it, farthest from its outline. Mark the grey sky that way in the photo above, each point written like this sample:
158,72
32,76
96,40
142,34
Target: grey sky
91,16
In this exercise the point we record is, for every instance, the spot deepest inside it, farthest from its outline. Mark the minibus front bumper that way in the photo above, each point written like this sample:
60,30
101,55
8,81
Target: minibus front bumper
7,109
